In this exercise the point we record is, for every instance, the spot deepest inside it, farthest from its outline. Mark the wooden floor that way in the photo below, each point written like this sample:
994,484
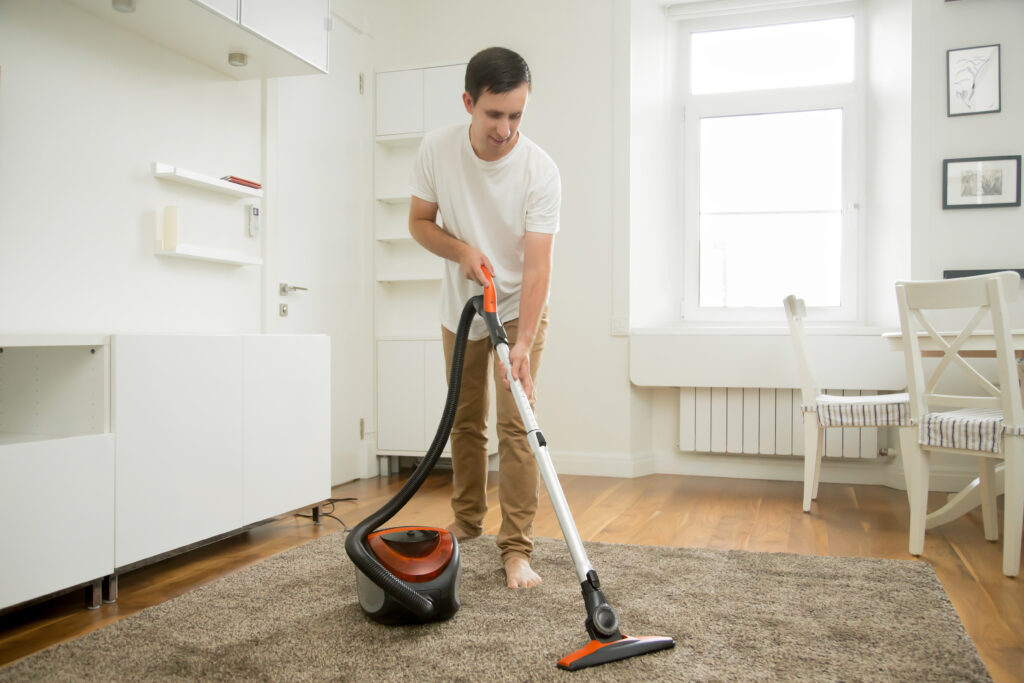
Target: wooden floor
865,521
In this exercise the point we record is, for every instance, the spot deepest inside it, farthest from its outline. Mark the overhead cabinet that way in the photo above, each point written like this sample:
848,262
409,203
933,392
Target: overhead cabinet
412,101
277,38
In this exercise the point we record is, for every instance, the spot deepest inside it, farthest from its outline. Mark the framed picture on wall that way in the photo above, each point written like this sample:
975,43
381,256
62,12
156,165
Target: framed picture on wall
981,182
972,80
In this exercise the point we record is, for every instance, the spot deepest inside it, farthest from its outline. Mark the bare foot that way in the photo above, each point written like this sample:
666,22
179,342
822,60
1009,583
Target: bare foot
519,573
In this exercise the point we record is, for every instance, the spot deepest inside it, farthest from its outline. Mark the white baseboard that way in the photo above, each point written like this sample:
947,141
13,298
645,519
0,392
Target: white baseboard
884,471
626,465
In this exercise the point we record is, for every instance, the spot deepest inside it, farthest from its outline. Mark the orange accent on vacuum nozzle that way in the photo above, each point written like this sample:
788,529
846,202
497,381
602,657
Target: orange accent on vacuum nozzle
490,298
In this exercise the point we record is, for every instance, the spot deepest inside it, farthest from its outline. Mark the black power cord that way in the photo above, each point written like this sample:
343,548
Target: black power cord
327,513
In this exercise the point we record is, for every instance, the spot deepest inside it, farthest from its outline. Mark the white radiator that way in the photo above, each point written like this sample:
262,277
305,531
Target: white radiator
761,422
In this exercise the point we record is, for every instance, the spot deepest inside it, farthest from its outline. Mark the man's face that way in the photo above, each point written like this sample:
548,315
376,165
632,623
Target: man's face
496,120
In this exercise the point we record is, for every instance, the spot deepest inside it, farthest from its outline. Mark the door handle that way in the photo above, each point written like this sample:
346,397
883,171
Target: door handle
285,289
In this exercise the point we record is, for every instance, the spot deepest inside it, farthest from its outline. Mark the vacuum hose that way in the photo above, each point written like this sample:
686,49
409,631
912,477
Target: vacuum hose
356,544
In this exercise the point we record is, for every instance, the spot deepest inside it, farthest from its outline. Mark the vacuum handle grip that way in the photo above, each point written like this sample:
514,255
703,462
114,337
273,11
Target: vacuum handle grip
490,298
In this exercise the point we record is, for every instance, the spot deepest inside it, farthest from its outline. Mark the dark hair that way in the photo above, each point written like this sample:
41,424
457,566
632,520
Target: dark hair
498,70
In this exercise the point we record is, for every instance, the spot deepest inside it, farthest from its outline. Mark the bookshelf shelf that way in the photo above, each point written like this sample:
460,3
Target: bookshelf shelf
186,177
198,253
400,140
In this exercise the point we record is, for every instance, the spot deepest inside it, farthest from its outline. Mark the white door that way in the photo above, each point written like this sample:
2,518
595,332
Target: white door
318,231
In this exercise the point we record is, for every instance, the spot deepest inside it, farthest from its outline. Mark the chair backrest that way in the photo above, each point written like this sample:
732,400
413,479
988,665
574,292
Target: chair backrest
986,296
796,311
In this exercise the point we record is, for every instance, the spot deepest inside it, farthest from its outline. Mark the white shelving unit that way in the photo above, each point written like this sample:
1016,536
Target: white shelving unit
411,380
216,185
55,445
394,199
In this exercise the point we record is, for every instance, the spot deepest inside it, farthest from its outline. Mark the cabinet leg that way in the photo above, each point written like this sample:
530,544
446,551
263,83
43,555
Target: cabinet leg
316,515
110,588
94,594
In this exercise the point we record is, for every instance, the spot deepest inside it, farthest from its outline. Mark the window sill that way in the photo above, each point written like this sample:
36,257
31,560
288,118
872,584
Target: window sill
762,357
734,330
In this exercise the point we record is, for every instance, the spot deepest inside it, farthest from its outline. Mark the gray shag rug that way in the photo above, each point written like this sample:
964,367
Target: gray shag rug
735,615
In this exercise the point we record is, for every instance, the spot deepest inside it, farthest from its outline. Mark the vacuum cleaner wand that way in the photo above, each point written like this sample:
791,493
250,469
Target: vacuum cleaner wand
607,643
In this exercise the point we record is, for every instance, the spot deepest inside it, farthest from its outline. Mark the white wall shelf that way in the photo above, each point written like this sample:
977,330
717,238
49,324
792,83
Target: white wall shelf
197,253
392,239
400,140
186,177
394,199
399,277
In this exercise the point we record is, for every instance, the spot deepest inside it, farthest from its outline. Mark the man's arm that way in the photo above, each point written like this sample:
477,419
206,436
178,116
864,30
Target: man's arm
537,257
424,229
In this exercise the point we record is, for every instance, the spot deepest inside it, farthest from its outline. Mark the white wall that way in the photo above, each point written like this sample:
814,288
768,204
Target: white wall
655,280
969,238
887,180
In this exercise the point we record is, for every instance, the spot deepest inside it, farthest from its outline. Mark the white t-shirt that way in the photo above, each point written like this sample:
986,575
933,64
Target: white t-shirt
489,205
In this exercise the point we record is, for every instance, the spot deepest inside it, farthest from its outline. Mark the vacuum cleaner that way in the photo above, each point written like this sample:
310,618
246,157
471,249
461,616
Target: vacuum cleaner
411,574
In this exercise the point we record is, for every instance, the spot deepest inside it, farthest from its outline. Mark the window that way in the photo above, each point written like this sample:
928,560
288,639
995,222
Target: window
770,173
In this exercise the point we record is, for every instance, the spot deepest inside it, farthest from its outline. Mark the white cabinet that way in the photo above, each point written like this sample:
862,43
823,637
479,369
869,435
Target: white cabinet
154,443
55,449
229,8
442,101
400,102
412,101
278,38
298,26
41,554
412,388
286,427
215,432
178,423
402,395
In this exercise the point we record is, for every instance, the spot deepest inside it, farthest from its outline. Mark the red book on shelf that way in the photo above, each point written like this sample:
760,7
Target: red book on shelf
241,181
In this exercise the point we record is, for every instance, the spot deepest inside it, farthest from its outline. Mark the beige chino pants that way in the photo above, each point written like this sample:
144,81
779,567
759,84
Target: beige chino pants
519,483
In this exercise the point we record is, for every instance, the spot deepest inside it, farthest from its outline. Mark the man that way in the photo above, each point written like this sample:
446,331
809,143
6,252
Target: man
498,195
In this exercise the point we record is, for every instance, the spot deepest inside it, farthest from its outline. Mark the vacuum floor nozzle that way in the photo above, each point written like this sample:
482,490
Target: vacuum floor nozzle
596,652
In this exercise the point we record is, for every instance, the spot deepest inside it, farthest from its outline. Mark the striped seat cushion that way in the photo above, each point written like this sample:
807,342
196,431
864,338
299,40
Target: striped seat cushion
969,429
883,410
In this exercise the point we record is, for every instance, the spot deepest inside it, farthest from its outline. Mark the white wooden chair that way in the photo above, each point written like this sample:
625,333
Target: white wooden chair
987,425
823,411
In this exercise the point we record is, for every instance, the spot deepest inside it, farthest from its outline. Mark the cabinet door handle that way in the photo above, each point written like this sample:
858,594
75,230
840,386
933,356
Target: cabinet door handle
286,288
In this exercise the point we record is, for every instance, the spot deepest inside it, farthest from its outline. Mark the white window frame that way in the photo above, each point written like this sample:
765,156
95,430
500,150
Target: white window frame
847,96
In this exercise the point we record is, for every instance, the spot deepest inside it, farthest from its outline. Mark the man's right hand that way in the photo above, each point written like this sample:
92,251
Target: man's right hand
472,262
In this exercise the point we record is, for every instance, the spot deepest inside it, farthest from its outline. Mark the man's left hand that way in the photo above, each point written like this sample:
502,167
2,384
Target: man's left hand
519,357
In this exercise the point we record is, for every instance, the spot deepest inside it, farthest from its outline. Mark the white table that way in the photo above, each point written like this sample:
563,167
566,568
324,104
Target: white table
979,345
